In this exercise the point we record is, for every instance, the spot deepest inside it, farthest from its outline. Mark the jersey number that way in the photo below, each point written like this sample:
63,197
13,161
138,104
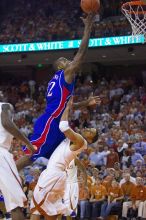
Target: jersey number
51,86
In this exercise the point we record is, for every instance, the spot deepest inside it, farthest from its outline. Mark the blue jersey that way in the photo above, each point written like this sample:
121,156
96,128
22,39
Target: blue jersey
47,135
58,93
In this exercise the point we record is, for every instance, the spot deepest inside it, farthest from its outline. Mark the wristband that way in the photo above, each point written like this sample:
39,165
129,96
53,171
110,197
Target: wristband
64,126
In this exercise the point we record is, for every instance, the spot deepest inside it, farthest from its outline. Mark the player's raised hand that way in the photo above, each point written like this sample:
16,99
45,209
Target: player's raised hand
93,100
88,21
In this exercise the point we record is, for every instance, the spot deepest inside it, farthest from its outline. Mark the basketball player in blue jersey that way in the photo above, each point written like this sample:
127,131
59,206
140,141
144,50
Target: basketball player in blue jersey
47,136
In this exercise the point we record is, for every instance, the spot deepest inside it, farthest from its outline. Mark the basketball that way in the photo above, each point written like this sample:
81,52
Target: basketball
90,6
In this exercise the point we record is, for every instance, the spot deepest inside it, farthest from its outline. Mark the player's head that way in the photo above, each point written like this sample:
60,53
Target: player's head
90,134
61,63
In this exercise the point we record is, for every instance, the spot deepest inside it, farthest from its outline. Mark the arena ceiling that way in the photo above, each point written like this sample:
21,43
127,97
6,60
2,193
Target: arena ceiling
107,56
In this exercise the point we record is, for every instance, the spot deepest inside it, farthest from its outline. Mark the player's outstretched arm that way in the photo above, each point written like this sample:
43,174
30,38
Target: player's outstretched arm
79,58
77,140
10,126
92,100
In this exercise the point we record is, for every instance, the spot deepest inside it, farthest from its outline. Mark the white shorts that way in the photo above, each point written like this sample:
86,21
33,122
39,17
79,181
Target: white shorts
10,182
71,195
48,201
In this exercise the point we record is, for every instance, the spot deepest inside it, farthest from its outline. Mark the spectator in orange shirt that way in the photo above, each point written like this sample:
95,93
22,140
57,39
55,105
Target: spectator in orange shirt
115,195
107,181
98,195
83,200
112,158
127,187
138,196
95,174
125,172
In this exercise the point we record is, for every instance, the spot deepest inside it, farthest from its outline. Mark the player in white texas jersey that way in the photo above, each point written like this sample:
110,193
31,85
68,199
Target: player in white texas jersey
48,197
10,182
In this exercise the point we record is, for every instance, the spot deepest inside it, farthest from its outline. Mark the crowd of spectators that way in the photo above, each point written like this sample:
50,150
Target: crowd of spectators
118,155
41,20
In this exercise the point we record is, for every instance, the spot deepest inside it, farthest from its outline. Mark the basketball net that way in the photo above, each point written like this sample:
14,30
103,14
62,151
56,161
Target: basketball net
135,12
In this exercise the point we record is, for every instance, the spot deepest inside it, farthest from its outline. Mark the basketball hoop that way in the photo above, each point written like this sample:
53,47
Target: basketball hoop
135,12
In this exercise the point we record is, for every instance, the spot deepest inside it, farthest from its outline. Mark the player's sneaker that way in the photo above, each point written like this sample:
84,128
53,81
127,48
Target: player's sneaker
70,213
73,214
